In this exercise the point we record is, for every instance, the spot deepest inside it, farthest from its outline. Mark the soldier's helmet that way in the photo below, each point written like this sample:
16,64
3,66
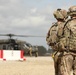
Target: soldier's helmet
60,14
72,10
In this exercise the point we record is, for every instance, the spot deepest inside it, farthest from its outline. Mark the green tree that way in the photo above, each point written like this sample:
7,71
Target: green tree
50,51
41,50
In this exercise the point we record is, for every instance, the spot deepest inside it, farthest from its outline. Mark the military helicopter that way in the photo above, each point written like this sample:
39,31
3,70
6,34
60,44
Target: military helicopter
14,44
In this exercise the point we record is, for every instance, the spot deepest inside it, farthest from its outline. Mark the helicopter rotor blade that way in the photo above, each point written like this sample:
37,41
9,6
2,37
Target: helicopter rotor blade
3,34
28,36
11,35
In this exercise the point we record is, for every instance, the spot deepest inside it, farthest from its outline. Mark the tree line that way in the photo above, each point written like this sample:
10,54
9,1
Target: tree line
42,51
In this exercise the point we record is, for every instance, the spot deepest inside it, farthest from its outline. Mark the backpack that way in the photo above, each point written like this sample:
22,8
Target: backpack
52,35
70,34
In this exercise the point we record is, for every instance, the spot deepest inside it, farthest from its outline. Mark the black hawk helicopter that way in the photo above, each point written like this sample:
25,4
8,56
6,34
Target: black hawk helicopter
14,44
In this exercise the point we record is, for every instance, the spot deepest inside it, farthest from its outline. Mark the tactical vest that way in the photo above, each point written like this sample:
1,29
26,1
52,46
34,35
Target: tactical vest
60,39
70,34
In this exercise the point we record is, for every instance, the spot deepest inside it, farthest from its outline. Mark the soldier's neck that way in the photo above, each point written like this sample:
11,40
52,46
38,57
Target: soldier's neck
74,17
60,20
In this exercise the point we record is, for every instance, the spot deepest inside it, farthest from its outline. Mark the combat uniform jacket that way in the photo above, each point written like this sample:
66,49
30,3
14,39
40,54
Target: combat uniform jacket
52,35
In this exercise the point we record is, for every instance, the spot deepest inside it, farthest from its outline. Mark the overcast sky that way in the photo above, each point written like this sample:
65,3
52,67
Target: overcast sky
30,17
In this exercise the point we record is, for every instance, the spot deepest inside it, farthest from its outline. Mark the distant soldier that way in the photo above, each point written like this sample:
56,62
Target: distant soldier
68,61
55,34
36,51
30,50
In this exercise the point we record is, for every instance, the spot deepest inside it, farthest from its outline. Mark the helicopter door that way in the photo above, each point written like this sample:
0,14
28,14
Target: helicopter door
16,47
4,47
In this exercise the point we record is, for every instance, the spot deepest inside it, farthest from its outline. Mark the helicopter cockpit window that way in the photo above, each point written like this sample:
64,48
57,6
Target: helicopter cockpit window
25,46
16,47
29,45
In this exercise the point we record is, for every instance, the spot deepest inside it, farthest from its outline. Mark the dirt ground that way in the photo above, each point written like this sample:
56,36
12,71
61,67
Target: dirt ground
32,66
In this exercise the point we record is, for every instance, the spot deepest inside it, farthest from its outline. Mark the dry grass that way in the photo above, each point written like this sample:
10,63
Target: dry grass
32,66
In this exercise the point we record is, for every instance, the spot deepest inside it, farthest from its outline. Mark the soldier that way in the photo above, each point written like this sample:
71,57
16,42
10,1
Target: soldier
30,50
68,61
55,33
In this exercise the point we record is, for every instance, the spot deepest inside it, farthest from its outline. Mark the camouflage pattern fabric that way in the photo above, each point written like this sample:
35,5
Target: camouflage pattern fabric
60,40
67,64
72,10
55,34
70,34
55,58
52,35
60,14
60,29
59,46
30,51
67,60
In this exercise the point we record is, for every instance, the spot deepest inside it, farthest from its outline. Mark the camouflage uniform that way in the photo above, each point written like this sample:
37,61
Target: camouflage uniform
53,38
68,65
52,35
30,51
